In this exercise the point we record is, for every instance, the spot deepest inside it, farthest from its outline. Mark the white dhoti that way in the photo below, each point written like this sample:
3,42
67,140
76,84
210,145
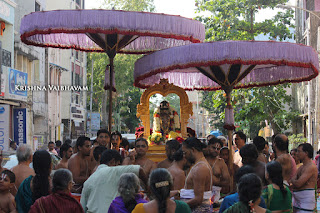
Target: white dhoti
304,200
215,194
187,194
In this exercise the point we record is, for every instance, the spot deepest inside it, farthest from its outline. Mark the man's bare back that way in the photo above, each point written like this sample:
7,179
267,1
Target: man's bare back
285,161
7,203
62,164
306,176
178,177
164,164
21,172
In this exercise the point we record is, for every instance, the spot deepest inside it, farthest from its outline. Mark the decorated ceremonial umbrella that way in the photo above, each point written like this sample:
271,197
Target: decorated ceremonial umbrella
109,31
228,65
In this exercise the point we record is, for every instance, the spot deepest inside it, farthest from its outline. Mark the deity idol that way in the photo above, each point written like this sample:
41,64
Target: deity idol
166,123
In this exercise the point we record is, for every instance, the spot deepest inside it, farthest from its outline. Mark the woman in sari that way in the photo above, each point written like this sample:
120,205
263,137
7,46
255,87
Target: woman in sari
277,195
129,194
160,183
34,187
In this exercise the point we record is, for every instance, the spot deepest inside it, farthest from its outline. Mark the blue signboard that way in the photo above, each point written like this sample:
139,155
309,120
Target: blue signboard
19,125
17,82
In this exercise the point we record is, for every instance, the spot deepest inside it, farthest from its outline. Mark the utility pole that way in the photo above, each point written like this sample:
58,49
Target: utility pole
91,91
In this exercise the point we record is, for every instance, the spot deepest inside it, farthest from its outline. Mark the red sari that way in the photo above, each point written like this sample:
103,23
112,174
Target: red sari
55,203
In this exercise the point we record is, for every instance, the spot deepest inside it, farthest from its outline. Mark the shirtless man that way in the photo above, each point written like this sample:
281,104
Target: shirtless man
141,147
249,155
239,138
65,153
22,170
171,147
224,154
78,164
304,181
280,147
198,185
177,168
221,176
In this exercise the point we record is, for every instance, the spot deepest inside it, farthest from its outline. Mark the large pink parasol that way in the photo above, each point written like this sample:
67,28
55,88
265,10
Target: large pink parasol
109,31
228,65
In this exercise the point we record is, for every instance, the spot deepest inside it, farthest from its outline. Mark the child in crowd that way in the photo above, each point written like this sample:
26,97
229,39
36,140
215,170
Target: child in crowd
7,203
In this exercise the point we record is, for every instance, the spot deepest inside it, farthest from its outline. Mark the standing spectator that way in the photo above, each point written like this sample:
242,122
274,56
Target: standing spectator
124,148
22,170
191,133
221,176
97,152
198,185
60,200
36,186
277,195
51,148
141,147
13,146
7,203
249,155
224,140
260,144
129,194
171,147
116,139
280,147
65,154
294,154
78,164
58,145
239,138
177,170
249,190
304,181
160,186
102,186
224,154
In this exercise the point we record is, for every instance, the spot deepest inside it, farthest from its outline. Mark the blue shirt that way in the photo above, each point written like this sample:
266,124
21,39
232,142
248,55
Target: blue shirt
234,198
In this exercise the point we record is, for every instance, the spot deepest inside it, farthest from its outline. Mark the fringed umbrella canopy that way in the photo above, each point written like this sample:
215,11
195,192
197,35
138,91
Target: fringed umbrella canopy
104,30
109,31
228,64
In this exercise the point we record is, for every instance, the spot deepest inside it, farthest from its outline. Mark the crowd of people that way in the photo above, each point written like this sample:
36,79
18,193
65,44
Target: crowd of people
106,176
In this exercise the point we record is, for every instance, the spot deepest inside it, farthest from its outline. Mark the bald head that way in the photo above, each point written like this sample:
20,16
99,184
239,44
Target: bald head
281,142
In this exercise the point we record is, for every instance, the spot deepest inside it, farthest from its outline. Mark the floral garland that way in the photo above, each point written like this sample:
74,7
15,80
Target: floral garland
157,137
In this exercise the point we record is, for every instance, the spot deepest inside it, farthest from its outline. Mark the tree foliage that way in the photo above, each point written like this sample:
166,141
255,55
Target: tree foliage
240,24
251,106
132,5
127,96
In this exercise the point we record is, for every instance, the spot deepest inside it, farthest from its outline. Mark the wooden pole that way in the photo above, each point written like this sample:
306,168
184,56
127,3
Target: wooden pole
110,94
229,106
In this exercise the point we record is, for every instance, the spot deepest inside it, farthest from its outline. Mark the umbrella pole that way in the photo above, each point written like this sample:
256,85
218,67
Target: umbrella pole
230,131
110,94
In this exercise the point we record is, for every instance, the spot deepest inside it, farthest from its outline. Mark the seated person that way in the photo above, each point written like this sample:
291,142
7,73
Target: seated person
160,186
249,189
60,200
7,203
234,198
128,189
